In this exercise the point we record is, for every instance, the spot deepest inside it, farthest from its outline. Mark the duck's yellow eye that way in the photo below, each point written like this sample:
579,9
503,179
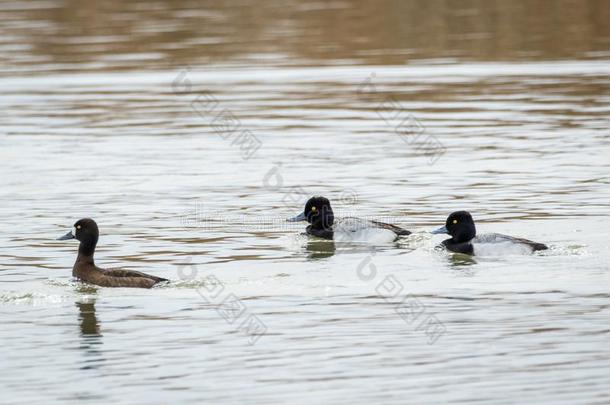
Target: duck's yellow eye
77,226
313,209
455,221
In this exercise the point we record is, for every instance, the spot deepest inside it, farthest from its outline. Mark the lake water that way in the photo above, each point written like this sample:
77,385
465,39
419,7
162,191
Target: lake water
190,131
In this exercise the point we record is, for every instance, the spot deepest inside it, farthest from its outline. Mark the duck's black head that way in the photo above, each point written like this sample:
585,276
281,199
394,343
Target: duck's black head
86,231
318,213
460,226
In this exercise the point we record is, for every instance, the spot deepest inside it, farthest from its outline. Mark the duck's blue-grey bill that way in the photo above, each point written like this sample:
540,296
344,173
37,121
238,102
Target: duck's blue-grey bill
66,236
300,217
442,229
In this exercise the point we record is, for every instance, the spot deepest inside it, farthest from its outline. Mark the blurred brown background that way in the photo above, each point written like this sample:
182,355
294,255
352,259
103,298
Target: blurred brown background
76,35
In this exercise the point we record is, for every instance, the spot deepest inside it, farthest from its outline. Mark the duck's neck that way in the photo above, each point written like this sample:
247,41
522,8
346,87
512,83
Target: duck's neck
459,247
86,249
463,239
320,232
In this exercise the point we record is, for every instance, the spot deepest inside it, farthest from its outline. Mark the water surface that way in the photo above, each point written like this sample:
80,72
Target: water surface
107,113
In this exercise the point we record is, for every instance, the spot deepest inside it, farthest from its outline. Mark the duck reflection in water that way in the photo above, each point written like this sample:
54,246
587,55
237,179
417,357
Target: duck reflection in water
89,326
461,260
91,336
320,249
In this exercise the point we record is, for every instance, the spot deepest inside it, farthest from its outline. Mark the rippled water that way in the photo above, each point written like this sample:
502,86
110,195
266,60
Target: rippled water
128,118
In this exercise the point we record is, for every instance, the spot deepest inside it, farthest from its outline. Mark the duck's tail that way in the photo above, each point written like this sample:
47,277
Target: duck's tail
396,229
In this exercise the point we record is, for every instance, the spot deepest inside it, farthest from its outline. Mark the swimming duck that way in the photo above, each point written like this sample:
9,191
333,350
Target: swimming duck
464,238
86,231
319,214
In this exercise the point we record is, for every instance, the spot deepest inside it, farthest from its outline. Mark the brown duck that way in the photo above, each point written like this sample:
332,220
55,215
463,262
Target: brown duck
86,231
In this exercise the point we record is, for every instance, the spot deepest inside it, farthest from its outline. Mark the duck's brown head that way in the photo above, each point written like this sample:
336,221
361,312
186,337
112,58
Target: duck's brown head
86,231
